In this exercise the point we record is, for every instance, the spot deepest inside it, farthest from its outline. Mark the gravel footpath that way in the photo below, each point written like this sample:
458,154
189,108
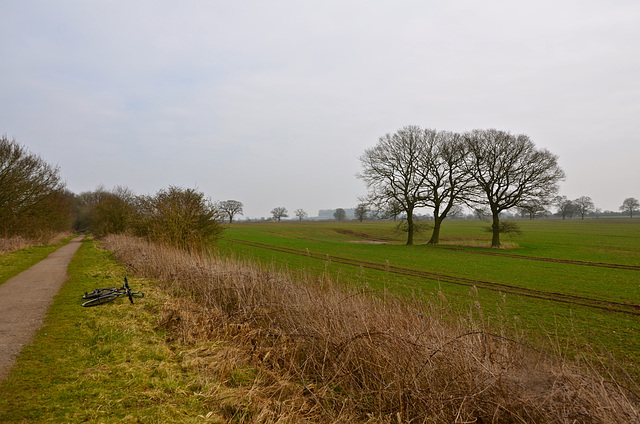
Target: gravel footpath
25,299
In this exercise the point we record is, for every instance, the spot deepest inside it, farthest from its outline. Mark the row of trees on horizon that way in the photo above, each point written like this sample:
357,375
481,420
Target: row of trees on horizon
583,207
406,170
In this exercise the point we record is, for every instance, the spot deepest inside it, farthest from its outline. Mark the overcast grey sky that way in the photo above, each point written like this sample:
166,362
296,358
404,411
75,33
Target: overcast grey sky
272,102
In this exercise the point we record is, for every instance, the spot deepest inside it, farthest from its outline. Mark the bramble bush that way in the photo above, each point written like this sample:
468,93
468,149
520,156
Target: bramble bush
175,216
181,218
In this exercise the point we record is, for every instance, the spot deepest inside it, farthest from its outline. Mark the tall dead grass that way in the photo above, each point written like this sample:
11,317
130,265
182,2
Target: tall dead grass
9,244
322,353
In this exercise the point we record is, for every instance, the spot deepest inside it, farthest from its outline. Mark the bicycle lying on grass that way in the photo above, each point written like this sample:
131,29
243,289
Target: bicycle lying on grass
107,294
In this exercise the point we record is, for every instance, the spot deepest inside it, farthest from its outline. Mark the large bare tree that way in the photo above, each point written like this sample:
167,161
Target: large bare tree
445,181
509,171
391,172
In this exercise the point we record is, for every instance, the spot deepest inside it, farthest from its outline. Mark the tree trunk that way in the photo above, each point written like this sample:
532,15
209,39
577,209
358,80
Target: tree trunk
409,226
495,241
435,236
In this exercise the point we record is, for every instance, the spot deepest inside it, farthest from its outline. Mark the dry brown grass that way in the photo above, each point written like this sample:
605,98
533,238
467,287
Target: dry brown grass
10,244
312,350
14,243
466,242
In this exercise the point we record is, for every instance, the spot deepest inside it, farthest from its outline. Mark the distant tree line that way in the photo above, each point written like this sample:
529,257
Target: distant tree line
583,206
490,171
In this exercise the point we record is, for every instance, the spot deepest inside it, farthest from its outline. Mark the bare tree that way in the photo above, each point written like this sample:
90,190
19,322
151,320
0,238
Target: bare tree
584,205
301,214
361,212
392,209
340,214
532,209
630,205
390,170
481,213
566,208
443,174
509,171
231,208
29,188
279,213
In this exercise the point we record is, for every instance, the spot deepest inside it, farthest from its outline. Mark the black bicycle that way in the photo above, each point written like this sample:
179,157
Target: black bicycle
107,294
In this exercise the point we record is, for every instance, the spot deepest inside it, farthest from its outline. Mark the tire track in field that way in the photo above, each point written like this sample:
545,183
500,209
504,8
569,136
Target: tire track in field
542,259
610,306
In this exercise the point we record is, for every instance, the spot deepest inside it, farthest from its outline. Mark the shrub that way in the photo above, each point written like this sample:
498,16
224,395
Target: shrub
181,218
115,213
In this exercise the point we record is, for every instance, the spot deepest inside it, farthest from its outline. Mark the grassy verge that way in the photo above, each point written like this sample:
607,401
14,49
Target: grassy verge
13,263
105,364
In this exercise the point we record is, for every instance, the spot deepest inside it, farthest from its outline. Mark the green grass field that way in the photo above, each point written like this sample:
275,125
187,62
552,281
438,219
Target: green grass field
576,282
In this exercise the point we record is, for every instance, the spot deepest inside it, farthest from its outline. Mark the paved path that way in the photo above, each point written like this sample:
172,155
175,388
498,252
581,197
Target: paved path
25,299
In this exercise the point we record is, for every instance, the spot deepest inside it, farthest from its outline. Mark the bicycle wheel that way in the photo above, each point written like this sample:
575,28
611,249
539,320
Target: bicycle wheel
102,299
99,292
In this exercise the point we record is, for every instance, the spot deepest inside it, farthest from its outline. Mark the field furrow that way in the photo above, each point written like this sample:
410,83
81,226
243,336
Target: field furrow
606,305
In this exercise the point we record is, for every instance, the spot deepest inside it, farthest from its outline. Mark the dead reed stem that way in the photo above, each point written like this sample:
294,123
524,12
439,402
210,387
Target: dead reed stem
327,354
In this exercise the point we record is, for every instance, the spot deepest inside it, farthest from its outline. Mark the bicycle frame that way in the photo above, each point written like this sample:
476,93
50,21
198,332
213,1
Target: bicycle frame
107,294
